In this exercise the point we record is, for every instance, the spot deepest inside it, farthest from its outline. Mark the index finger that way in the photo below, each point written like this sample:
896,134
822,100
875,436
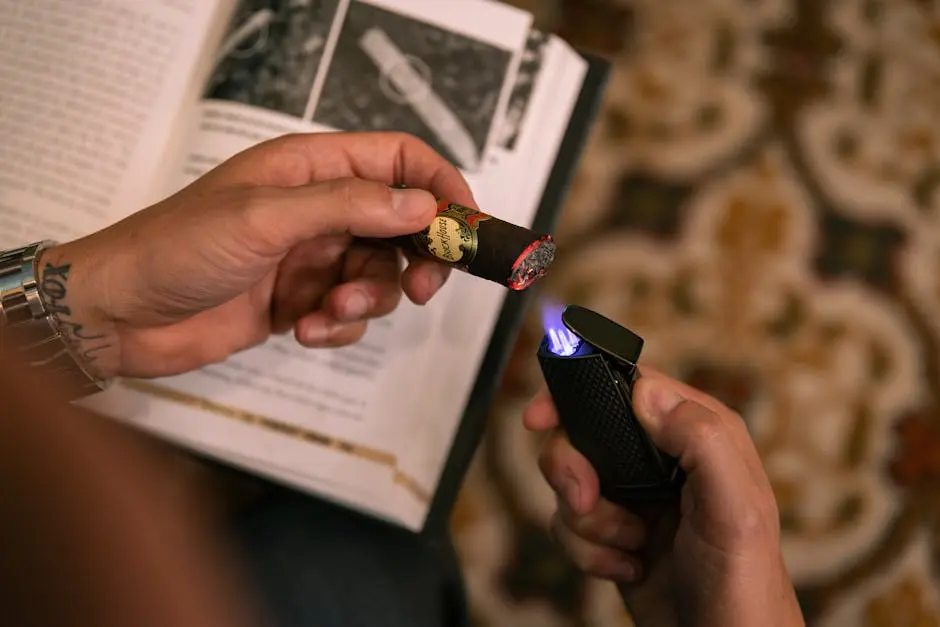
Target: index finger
389,158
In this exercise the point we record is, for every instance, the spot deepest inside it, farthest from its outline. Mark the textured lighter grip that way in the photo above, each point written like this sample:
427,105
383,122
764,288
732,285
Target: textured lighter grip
593,404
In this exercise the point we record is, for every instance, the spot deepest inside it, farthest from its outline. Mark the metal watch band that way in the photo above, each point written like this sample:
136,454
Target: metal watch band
29,331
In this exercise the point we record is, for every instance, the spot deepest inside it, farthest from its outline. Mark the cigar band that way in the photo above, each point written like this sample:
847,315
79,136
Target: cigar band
452,237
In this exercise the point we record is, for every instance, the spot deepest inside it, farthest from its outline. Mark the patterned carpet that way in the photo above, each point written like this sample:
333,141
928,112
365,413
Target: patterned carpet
760,200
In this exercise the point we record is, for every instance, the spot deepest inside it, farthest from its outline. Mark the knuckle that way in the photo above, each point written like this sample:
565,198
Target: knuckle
702,426
289,140
585,556
757,521
246,199
247,202
349,191
606,527
609,529
596,529
589,559
733,418
750,521
756,524
407,140
253,205
270,146
345,190
354,194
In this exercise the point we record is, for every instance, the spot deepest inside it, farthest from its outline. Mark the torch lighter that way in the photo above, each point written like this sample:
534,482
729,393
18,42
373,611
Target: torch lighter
590,365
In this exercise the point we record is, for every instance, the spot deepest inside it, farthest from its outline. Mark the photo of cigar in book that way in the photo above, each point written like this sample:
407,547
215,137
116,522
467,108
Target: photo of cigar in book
271,55
442,83
482,245
416,90
255,27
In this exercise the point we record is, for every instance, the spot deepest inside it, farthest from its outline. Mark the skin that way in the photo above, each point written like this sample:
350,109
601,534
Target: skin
94,530
271,242
265,243
712,560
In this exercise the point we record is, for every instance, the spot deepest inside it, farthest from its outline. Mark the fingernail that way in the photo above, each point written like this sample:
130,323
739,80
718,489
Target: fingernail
572,493
356,306
410,203
331,251
316,333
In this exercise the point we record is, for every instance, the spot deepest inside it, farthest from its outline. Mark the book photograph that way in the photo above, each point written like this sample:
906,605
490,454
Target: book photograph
530,68
379,427
393,71
271,54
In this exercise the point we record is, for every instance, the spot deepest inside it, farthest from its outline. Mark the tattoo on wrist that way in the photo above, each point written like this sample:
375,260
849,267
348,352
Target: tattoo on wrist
86,343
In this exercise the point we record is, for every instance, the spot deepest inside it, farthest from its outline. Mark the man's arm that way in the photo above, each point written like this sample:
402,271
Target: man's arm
92,531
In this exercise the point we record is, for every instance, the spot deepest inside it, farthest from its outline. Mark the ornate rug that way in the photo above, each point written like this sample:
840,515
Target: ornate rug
760,201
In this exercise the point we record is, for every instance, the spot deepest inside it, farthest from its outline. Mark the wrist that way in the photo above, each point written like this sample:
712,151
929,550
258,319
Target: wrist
73,290
766,591
791,612
749,588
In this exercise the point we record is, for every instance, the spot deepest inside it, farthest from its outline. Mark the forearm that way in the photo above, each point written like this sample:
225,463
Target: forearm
90,532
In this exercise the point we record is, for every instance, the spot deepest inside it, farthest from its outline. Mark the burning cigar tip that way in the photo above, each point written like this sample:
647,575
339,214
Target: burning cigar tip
532,264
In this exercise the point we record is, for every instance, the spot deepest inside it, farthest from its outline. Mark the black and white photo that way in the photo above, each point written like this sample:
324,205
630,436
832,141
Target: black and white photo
394,72
530,68
272,53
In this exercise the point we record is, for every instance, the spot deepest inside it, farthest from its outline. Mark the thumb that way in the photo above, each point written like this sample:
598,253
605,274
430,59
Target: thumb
349,206
704,441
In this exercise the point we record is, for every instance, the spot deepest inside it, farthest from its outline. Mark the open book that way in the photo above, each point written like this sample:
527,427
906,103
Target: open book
108,106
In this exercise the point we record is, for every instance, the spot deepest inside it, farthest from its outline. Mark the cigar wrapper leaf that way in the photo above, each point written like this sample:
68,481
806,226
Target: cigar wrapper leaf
482,245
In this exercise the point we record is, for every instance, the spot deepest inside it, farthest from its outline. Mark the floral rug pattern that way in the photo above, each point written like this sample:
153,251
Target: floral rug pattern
760,200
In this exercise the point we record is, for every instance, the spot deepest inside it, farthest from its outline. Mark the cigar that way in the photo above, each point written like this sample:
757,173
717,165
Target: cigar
482,245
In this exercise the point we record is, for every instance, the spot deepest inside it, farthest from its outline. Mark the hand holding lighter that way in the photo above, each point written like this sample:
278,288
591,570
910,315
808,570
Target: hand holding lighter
590,365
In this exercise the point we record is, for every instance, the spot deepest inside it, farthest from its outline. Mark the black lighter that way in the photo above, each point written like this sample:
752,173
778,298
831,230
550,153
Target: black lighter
590,365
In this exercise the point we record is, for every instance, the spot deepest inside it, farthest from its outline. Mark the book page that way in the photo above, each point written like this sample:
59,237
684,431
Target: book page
90,95
438,70
522,162
368,425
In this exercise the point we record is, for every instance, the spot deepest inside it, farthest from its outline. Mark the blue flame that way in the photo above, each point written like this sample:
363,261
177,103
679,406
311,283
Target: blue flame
561,341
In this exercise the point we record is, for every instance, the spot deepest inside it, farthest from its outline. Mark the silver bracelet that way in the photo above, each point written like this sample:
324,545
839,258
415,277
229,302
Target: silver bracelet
30,332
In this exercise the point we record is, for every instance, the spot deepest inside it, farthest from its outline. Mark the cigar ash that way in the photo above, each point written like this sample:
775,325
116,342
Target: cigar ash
532,264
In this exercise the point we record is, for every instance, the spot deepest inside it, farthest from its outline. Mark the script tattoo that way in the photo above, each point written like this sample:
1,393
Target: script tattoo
55,288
